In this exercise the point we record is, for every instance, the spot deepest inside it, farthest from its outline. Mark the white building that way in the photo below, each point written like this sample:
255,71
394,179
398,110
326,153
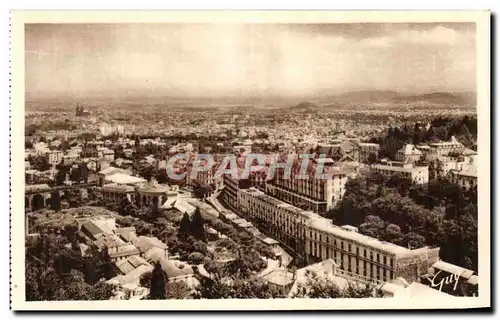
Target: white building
408,151
443,148
54,157
418,174
466,179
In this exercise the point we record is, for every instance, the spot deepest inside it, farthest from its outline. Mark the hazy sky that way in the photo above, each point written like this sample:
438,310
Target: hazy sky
213,59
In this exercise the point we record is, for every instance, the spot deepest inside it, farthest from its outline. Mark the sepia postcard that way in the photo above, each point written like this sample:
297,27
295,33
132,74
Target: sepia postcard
250,160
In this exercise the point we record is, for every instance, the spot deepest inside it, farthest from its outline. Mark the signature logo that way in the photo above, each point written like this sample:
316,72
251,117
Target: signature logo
451,279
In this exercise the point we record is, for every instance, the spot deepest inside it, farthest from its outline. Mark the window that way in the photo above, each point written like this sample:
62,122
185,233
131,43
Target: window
364,255
349,247
378,257
342,245
357,251
371,255
385,260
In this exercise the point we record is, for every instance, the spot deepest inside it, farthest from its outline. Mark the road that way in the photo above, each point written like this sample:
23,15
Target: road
286,258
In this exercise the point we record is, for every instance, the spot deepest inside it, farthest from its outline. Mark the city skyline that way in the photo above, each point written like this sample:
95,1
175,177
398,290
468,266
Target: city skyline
248,59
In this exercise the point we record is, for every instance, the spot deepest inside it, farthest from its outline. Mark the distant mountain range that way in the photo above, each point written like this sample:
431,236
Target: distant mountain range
459,98
465,99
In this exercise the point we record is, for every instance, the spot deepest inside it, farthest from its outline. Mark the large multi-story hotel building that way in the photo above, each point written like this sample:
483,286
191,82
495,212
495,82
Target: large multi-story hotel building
232,185
357,255
310,193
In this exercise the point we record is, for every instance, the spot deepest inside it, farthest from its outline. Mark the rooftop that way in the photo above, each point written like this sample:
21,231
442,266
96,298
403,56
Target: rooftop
175,269
453,269
112,170
471,172
114,187
320,223
126,250
395,168
327,226
280,277
123,178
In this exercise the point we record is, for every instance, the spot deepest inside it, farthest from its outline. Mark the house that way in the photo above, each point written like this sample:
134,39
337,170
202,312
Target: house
128,265
123,252
91,230
418,174
151,248
466,179
129,283
326,269
280,279
126,233
176,270
409,151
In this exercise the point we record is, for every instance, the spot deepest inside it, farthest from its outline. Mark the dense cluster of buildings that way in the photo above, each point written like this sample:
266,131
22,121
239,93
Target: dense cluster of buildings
289,211
132,255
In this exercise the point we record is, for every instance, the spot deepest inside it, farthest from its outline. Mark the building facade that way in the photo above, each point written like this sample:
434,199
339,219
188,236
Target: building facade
54,157
466,179
418,174
309,193
357,255
443,148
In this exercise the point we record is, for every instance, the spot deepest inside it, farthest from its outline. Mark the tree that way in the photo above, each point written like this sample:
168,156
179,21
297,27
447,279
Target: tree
196,228
201,190
215,288
55,201
372,158
84,172
178,290
196,258
39,163
229,288
54,272
316,287
414,240
393,234
161,176
325,288
107,265
157,285
75,174
63,170
373,226
185,225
